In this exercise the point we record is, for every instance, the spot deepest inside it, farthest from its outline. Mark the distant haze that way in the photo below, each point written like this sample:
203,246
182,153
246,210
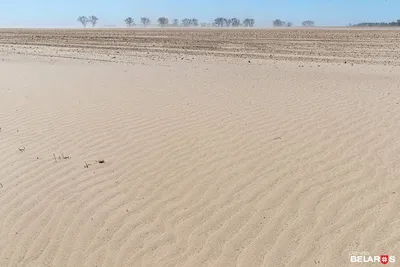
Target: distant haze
63,13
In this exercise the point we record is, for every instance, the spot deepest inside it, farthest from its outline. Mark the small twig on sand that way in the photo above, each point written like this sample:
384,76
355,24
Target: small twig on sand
60,157
21,149
64,156
101,161
1,185
86,165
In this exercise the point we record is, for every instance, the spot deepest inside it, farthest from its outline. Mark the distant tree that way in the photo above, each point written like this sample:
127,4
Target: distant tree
278,23
175,22
194,22
163,21
248,22
186,22
235,22
219,22
84,20
289,24
228,22
145,21
308,23
129,22
93,20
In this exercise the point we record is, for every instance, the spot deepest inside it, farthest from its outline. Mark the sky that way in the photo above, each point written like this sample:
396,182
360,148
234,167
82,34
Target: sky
64,13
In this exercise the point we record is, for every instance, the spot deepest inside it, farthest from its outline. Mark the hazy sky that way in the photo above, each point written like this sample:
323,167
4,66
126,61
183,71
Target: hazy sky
63,13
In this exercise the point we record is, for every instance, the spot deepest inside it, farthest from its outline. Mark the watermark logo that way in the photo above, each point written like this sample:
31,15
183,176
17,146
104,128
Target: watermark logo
384,259
366,257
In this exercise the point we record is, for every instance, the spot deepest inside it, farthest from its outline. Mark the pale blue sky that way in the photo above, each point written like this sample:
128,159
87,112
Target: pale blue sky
63,13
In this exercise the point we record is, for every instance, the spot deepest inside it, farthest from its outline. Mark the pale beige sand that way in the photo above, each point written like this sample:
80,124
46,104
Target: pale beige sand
209,161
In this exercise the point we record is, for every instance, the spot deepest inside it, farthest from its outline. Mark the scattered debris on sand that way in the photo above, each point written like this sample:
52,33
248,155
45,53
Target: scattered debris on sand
59,158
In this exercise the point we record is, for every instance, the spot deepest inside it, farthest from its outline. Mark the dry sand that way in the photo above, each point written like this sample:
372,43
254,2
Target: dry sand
220,148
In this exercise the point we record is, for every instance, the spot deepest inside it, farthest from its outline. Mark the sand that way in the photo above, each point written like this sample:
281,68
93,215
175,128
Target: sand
198,147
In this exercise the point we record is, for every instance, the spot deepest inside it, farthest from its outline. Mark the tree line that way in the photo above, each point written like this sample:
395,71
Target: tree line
218,22
378,24
233,22
281,23
186,22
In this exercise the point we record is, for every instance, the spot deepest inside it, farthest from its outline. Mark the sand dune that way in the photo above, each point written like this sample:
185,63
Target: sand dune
212,156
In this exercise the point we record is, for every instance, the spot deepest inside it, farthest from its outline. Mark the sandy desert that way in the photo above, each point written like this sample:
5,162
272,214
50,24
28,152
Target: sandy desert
151,147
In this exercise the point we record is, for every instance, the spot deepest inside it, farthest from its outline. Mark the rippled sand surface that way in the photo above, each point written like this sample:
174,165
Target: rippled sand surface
198,147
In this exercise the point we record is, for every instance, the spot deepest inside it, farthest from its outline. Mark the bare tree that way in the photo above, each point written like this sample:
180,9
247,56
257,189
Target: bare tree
186,22
163,21
219,22
84,20
129,22
308,23
235,22
278,23
93,20
175,22
249,22
145,21
194,22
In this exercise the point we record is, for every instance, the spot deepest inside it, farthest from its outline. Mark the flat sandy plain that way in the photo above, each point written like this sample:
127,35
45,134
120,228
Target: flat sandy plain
198,147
